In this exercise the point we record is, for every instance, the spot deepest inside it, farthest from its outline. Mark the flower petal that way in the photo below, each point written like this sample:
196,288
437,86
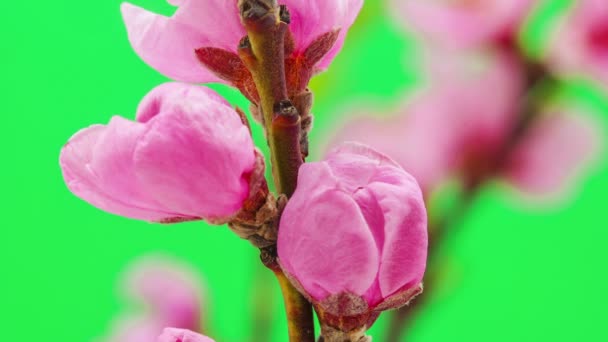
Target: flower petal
553,153
311,19
324,241
217,20
170,289
461,23
95,165
135,329
167,45
180,335
196,155
579,47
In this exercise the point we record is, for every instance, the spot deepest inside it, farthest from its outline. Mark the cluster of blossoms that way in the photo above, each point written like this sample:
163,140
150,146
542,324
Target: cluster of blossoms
484,112
346,235
480,115
348,232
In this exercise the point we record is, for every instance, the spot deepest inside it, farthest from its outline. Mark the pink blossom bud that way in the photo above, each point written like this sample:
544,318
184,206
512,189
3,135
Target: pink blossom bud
171,294
462,23
179,335
188,156
353,238
553,153
580,44
168,44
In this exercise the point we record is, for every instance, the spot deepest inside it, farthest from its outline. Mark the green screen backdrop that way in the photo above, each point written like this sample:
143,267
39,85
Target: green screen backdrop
519,272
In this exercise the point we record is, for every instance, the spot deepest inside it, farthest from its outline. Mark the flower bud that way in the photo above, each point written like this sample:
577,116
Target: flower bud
179,335
353,238
188,156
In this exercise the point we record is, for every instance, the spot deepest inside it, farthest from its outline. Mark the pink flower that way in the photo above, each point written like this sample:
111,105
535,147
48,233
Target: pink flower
580,45
170,289
188,156
168,44
354,235
459,127
462,23
170,292
462,117
557,148
179,335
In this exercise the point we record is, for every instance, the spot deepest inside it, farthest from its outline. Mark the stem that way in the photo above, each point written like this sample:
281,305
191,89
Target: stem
300,324
263,52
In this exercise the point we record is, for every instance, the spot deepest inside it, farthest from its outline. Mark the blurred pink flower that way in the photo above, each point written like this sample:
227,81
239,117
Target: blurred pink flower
462,23
168,44
188,156
460,125
464,115
580,45
171,295
180,335
355,230
556,149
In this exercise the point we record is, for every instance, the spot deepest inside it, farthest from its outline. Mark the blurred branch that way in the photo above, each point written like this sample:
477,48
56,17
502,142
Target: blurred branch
539,85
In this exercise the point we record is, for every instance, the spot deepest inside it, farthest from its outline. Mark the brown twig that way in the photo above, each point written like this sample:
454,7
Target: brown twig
263,53
538,79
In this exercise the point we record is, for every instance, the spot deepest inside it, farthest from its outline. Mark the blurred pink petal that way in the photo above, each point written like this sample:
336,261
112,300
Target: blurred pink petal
190,159
171,294
461,23
580,45
169,289
556,150
356,224
132,329
168,43
179,335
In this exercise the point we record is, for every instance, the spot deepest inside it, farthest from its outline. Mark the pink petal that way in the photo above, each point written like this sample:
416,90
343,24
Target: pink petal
167,45
170,289
133,329
168,95
579,46
461,23
311,19
89,170
190,159
556,150
410,142
195,157
179,335
324,241
217,20
392,203
404,252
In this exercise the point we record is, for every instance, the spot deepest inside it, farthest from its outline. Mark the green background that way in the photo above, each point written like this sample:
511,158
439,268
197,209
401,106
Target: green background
519,272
